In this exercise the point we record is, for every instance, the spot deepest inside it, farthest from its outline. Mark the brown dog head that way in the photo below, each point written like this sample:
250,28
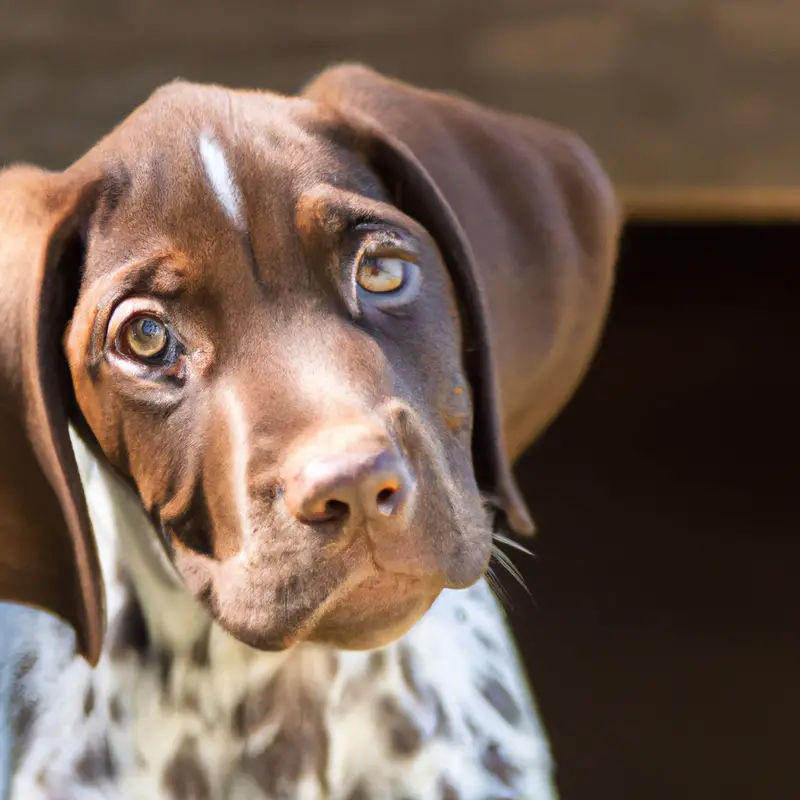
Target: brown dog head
269,316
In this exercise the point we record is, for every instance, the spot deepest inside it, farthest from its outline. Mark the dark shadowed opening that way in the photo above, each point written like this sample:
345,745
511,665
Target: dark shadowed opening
665,649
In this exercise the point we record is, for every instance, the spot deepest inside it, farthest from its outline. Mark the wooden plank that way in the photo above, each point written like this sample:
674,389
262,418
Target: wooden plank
711,204
674,96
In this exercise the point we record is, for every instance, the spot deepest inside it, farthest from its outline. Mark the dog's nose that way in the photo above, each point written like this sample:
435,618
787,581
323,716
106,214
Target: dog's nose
367,479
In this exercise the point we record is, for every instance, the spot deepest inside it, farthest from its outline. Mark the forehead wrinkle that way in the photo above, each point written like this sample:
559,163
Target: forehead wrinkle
114,187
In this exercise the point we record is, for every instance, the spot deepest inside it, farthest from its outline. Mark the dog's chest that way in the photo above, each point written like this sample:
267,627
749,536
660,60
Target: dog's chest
441,714
178,709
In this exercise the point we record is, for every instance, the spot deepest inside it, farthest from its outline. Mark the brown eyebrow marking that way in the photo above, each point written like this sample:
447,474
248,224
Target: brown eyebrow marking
164,273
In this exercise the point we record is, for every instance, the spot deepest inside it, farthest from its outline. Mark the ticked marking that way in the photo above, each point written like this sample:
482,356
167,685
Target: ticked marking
241,457
221,178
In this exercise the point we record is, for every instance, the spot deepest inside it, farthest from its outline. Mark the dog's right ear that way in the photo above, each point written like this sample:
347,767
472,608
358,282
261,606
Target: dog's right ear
48,556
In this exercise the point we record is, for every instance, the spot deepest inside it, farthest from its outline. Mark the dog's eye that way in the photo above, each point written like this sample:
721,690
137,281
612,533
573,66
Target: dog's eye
381,275
386,276
145,337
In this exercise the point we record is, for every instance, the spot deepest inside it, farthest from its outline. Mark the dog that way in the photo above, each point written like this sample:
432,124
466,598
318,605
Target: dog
266,364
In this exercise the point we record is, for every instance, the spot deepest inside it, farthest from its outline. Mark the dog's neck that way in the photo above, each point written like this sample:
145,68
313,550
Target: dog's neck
128,543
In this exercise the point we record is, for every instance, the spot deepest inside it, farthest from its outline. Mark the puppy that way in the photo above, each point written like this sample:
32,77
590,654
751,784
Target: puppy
267,363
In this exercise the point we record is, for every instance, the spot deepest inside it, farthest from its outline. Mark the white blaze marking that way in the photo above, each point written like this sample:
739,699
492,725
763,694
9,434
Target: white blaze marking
241,456
222,182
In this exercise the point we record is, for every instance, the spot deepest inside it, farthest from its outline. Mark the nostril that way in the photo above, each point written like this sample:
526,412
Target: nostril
335,511
386,500
385,494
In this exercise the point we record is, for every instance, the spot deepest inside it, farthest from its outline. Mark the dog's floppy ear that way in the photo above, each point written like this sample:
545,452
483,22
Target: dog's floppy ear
503,196
48,556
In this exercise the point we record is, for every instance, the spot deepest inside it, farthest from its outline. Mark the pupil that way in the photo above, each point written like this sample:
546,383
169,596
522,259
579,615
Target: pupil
150,327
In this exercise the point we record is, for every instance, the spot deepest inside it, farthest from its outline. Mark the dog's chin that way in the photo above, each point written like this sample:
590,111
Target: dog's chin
372,614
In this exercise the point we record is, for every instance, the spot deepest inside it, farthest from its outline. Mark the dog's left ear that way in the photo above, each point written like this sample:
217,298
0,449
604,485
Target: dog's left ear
503,196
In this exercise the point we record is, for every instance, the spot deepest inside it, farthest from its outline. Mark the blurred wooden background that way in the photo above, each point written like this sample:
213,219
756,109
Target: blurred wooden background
674,95
664,647
664,642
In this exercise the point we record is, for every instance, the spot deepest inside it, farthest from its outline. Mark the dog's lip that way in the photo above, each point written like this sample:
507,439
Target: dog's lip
386,583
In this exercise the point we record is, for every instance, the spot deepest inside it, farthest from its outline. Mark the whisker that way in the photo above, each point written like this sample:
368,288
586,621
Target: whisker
500,593
498,537
504,561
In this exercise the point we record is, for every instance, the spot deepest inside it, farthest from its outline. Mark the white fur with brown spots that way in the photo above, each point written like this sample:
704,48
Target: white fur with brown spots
176,708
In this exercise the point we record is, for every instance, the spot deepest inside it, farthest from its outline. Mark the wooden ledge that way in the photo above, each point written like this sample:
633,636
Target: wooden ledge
711,204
